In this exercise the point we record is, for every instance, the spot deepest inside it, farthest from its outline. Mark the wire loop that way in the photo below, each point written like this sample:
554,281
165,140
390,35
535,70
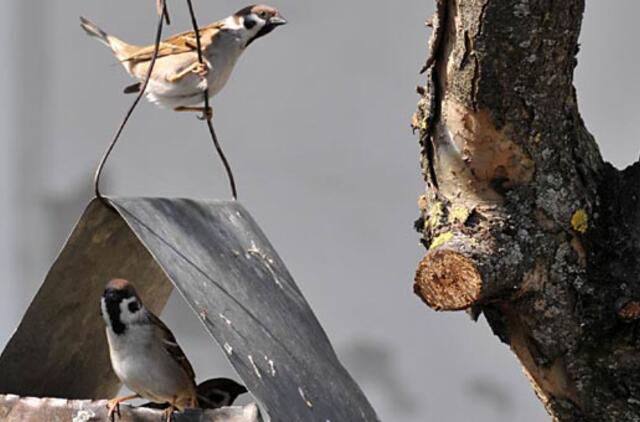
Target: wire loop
163,15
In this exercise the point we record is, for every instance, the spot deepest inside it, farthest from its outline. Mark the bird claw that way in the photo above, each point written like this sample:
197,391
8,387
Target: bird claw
201,69
207,114
168,413
113,407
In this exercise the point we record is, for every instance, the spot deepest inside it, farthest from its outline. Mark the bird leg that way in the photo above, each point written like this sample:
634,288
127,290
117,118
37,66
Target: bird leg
114,405
207,113
200,69
168,412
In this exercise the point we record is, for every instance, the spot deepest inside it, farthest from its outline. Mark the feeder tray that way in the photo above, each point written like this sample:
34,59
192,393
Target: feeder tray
217,257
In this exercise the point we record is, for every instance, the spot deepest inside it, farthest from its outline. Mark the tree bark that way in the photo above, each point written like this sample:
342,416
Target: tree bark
522,218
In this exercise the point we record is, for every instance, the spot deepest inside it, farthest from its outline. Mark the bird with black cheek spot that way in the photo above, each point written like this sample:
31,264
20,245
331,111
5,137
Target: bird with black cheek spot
144,353
178,79
212,394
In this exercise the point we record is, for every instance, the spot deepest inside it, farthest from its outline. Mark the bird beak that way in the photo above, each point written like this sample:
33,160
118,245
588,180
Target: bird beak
277,21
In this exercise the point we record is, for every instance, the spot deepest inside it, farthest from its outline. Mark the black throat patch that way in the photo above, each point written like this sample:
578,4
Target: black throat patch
261,33
112,303
113,311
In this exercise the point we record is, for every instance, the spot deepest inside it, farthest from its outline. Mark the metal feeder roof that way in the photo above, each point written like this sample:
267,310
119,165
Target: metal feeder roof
216,256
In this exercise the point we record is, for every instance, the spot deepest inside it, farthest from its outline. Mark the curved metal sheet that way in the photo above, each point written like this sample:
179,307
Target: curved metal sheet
215,254
226,269
59,348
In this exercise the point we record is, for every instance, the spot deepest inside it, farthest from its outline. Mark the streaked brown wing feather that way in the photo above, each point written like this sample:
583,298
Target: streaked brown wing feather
171,345
183,42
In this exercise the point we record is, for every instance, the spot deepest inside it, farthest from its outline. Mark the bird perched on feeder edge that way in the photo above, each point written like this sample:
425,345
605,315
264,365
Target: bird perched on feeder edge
178,79
144,353
212,394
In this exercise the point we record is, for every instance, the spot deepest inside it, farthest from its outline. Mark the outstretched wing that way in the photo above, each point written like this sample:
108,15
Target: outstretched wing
171,345
183,42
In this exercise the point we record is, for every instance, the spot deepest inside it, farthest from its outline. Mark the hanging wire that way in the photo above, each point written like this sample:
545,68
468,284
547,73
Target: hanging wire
96,180
207,110
163,15
165,12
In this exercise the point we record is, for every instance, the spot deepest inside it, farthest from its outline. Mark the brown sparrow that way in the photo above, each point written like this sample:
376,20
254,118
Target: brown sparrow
212,394
178,79
144,353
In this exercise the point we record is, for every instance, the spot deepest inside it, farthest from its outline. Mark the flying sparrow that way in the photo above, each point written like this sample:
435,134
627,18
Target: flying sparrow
178,79
144,353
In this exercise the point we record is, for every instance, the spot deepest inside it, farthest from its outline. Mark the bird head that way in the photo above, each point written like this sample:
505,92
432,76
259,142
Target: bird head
120,305
258,20
219,392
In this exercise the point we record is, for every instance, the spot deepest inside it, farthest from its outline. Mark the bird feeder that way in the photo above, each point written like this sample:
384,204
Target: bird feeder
224,267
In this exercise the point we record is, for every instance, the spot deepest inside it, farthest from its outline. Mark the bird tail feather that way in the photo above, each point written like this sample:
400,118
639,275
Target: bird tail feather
119,47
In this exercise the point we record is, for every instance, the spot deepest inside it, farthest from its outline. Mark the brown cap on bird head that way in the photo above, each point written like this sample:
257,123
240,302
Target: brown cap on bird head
267,17
121,288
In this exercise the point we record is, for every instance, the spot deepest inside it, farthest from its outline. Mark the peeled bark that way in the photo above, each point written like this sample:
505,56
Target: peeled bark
522,218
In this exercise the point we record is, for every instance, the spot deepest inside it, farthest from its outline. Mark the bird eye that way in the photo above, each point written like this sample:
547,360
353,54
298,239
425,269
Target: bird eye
263,15
250,22
133,307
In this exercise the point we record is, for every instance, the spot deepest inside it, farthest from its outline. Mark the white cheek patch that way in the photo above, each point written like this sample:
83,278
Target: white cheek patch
237,26
231,23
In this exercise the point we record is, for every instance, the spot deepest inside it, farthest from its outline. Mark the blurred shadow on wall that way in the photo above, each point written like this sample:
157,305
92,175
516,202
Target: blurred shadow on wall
31,58
373,364
492,394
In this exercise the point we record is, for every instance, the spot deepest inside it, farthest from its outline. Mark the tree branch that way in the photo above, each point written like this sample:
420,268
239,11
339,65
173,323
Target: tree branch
522,218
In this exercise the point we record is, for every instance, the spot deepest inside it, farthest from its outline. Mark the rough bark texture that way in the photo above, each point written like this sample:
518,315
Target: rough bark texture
522,218
32,409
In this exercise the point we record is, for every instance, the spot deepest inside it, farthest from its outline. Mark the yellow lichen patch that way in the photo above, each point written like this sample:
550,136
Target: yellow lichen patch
418,122
580,221
440,240
435,213
458,214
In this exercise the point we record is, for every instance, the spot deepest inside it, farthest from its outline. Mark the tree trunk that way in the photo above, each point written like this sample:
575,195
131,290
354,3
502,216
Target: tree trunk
522,218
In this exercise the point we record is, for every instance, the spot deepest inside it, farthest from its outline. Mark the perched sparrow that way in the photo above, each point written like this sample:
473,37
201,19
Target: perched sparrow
144,352
212,394
219,392
178,79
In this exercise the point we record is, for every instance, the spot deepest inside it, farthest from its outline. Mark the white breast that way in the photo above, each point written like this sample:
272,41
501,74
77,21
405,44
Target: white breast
222,58
144,366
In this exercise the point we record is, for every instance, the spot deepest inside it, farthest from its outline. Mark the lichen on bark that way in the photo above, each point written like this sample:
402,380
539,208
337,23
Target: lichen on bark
522,218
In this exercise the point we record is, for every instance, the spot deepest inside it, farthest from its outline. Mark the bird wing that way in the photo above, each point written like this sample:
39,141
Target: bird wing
171,345
183,42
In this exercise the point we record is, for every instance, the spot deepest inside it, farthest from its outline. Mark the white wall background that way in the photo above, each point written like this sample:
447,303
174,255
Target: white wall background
316,123
10,312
